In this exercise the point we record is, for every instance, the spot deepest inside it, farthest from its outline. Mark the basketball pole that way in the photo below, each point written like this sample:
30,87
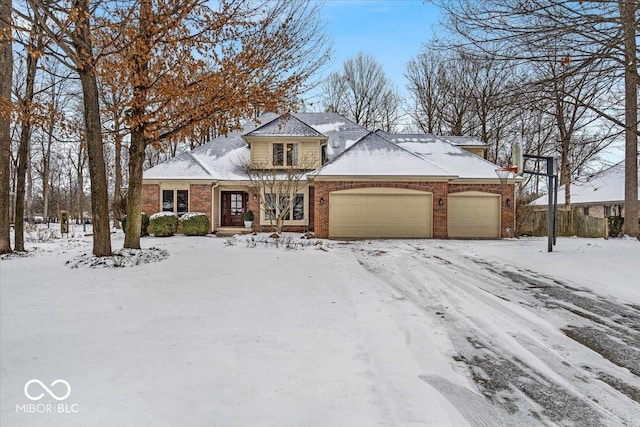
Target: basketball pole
552,204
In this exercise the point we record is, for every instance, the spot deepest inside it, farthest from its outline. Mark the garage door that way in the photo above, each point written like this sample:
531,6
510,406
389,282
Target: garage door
372,213
474,215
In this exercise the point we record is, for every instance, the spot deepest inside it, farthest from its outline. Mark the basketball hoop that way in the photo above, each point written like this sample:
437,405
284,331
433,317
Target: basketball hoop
503,173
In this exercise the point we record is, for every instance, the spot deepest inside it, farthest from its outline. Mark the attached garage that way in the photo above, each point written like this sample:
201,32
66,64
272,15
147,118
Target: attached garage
474,215
371,213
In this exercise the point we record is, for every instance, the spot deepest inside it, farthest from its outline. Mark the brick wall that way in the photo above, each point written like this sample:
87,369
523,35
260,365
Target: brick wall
150,198
200,200
438,189
323,188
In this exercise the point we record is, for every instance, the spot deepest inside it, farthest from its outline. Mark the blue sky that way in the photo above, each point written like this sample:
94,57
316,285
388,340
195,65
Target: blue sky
393,31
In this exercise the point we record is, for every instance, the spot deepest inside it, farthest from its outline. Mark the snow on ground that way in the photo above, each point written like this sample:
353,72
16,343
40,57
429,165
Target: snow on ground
232,332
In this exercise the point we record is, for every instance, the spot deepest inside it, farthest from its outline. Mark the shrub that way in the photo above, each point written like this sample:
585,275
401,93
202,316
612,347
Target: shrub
248,216
194,224
615,225
163,224
144,224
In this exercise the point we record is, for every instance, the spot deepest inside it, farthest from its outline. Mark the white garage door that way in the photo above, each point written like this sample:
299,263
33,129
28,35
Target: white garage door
372,213
474,215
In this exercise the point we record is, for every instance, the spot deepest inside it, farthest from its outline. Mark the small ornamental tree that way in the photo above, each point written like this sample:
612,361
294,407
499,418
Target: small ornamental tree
279,187
195,224
163,224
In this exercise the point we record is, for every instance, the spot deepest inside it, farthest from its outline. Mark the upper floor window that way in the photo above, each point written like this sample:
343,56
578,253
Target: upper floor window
325,155
285,154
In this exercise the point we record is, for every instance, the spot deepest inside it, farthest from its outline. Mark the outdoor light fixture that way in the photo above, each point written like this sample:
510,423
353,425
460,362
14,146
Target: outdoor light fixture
322,200
255,197
508,202
440,202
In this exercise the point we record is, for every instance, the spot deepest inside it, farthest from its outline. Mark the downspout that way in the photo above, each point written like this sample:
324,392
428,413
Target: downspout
213,213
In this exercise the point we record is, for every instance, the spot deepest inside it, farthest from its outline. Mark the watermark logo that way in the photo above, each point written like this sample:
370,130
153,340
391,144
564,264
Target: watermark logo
59,390
45,388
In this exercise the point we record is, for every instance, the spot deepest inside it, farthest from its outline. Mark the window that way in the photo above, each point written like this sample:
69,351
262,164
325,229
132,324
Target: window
279,154
298,207
607,211
167,200
292,154
585,210
325,155
270,202
176,201
294,206
183,201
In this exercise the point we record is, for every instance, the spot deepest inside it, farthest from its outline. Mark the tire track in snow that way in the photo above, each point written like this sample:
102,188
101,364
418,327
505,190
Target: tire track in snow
497,327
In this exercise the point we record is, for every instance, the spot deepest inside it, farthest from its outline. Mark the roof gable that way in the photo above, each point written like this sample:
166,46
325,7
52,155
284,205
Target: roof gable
285,125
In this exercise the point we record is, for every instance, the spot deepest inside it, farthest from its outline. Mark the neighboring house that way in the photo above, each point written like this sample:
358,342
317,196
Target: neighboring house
361,184
599,195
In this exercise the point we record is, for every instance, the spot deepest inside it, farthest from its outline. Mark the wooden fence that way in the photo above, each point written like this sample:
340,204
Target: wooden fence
570,223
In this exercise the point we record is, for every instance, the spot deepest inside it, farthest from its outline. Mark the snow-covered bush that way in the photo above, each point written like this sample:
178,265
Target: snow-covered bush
144,224
33,233
195,224
163,224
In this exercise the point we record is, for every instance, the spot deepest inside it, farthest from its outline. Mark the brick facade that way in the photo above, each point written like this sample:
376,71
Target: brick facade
200,200
150,198
438,189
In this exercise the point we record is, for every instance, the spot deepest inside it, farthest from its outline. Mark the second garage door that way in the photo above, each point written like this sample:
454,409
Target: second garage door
370,213
474,215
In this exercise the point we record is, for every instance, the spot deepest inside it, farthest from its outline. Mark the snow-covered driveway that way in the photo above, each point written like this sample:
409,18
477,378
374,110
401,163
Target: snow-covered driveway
383,333
522,335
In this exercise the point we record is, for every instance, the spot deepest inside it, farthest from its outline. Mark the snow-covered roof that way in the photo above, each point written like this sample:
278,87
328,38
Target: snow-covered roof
465,141
182,166
380,153
376,156
285,125
606,186
451,157
215,160
341,133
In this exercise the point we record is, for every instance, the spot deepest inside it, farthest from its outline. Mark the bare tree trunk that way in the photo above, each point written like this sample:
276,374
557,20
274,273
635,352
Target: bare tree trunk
25,139
29,199
80,178
46,170
138,127
628,11
97,171
6,74
117,187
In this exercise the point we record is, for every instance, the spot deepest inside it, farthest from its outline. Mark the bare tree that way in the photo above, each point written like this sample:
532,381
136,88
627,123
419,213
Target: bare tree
69,27
425,74
280,189
27,114
589,32
6,74
363,93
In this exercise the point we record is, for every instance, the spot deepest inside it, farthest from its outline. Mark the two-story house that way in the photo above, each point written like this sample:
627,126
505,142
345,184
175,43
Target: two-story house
354,183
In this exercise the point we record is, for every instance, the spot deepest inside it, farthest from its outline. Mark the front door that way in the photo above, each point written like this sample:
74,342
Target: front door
233,206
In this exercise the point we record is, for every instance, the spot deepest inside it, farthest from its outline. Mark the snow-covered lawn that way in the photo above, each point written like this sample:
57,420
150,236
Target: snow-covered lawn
374,333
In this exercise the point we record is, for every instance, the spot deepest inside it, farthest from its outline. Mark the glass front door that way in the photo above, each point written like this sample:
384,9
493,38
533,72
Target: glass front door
233,204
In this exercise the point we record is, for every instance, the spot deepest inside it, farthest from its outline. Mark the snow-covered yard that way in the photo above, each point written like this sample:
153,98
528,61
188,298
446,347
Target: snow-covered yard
376,333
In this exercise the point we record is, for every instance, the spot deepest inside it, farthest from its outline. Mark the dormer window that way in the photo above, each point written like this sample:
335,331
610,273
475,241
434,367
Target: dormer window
325,155
285,154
